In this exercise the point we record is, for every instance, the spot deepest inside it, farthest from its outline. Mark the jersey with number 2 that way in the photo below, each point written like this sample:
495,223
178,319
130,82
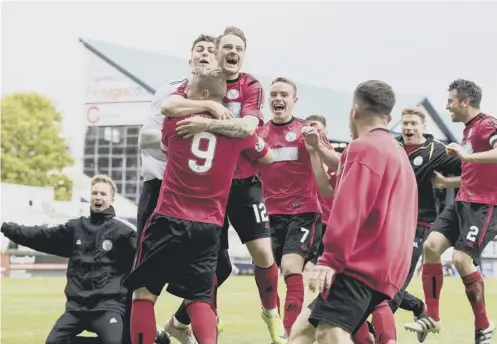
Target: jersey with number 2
198,174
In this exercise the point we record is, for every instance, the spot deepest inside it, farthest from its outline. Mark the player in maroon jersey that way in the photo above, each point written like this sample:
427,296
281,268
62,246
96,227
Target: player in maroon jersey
360,268
180,243
322,173
246,209
470,223
290,193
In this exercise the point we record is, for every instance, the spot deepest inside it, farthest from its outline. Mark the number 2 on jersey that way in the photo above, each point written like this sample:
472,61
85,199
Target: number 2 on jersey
206,154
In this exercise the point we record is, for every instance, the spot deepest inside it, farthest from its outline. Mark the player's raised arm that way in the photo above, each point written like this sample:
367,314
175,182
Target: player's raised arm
55,240
256,149
488,132
322,179
251,115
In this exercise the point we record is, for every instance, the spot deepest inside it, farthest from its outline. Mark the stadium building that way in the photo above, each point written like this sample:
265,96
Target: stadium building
120,83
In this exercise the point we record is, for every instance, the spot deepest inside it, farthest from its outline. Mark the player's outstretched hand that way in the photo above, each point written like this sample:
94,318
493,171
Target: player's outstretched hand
321,278
187,128
219,111
454,149
311,137
438,180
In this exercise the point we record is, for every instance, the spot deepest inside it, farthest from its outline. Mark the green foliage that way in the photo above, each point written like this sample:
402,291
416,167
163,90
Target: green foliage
33,151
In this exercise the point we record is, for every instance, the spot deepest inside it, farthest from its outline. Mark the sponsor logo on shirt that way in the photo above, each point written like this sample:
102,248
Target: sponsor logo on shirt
233,94
235,108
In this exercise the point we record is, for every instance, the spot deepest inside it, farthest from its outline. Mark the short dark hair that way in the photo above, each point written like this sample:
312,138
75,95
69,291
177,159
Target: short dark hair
203,38
211,79
232,30
317,118
467,90
375,97
286,81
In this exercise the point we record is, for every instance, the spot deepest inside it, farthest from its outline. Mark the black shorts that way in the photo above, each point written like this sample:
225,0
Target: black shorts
419,239
246,211
348,304
147,202
179,252
299,233
468,226
315,257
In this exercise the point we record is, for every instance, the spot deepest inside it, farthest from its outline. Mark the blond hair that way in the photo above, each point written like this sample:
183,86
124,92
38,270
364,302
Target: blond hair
211,80
232,30
103,178
286,81
415,111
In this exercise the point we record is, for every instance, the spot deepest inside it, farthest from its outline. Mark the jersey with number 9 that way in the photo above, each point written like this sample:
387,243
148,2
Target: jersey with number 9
199,170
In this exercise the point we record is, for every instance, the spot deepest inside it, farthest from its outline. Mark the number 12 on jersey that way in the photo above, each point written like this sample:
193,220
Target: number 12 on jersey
260,212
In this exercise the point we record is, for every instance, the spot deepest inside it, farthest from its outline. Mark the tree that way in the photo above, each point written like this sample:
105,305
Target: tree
33,151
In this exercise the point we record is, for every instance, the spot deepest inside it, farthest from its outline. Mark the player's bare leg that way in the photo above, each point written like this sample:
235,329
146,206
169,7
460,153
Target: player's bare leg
306,275
292,265
143,329
474,285
432,276
302,331
328,334
266,278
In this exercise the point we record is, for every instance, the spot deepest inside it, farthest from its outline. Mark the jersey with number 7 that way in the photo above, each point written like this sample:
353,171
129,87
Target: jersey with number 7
199,170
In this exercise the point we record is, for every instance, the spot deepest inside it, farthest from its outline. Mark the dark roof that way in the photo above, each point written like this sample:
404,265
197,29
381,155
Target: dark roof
151,69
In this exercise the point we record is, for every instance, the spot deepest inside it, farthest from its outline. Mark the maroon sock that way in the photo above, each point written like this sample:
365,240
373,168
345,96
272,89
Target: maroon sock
267,283
475,291
294,300
143,329
204,322
384,323
433,278
213,303
362,335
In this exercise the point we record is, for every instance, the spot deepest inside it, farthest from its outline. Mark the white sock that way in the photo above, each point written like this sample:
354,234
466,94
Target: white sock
272,313
178,324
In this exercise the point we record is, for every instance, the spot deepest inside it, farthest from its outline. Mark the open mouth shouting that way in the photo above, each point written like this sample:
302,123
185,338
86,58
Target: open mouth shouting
278,108
231,61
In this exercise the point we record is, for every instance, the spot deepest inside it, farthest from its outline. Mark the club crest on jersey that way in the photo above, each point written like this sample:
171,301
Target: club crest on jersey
259,146
418,160
107,245
233,94
290,136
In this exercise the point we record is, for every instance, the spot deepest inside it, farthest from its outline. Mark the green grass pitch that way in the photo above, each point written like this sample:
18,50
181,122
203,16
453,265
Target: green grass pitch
31,306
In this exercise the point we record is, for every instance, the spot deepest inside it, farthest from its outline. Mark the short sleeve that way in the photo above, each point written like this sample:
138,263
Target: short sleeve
254,147
253,101
488,131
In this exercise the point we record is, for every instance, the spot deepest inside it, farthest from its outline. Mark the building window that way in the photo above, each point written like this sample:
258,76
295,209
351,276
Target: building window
114,150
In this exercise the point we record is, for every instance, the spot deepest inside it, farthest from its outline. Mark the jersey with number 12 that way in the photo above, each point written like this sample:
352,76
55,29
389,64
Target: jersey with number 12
198,174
